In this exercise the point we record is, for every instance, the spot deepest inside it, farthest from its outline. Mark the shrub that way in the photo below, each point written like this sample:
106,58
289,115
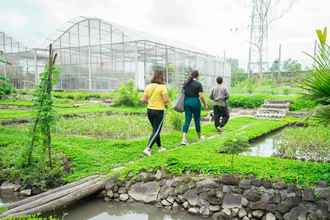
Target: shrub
246,101
175,119
126,95
6,88
301,103
308,142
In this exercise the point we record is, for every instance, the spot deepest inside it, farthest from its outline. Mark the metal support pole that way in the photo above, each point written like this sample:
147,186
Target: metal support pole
279,61
36,74
166,64
89,57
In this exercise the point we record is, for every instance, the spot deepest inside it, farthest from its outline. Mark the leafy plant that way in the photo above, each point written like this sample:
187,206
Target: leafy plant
6,88
235,146
126,95
317,84
175,119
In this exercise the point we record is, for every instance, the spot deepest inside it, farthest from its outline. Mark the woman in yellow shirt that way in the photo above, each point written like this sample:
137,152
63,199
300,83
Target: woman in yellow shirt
156,96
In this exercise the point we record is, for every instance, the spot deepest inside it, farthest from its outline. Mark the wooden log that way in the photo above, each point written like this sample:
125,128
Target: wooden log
41,195
52,197
60,202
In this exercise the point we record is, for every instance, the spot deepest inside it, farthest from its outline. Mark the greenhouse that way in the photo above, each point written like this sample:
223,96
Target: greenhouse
96,55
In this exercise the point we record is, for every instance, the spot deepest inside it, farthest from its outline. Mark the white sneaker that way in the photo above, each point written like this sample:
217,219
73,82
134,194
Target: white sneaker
147,152
219,129
184,142
161,149
202,138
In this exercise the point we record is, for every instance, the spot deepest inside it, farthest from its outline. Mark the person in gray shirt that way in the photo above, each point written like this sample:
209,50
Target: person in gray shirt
219,96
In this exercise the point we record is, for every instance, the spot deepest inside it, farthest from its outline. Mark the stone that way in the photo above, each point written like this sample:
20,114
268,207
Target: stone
297,213
214,208
256,182
204,210
235,211
267,184
245,218
219,194
7,186
244,202
165,191
230,179
210,197
110,184
262,205
267,197
245,184
145,192
26,192
165,203
324,193
123,197
269,216
109,194
292,188
185,205
279,185
207,183
252,195
232,201
287,204
221,216
193,210
322,184
159,175
170,199
257,213
242,212
227,189
192,197
181,189
308,195
121,190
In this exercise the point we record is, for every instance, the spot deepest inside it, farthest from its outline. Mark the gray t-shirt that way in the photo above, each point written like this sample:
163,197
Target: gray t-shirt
219,95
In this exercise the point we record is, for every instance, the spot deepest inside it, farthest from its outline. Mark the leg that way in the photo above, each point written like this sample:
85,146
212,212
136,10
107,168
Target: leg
216,112
225,116
156,119
197,119
186,125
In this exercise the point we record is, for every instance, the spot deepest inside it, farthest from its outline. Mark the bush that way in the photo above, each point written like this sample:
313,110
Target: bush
175,119
301,103
126,95
308,142
246,101
6,88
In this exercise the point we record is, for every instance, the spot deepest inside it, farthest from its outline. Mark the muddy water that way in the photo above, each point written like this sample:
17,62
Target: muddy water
97,209
264,146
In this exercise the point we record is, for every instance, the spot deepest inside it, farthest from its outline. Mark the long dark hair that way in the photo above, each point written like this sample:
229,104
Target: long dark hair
158,77
193,75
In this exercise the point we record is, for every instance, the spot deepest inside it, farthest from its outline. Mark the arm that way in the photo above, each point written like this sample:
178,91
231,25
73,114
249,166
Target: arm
201,97
211,95
226,94
165,96
145,97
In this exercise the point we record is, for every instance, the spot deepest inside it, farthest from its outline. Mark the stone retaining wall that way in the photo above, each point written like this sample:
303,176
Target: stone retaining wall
224,197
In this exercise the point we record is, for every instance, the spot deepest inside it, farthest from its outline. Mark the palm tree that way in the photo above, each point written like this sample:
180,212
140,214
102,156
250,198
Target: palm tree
317,84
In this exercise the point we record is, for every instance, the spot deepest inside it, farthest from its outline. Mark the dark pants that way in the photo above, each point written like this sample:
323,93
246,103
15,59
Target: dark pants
156,118
192,108
221,116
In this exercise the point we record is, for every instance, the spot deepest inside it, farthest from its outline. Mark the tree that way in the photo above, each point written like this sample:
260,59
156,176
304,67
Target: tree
291,65
266,12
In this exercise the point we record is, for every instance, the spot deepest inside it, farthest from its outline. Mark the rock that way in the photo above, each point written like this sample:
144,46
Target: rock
214,208
7,186
245,184
226,189
219,194
244,202
145,192
26,192
210,197
242,213
256,182
221,216
252,195
159,175
232,201
296,213
146,177
185,205
279,185
287,204
192,197
322,184
165,203
262,205
121,190
165,191
123,197
170,200
267,197
230,179
324,193
181,189
269,216
308,195
292,188
110,184
257,213
109,194
193,210
267,184
235,211
245,218
204,210
207,183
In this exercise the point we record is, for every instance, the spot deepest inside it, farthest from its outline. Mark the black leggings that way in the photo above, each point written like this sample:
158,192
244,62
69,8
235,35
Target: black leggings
220,113
156,118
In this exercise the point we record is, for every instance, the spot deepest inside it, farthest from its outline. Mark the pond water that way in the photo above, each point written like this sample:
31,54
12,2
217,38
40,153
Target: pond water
264,146
97,209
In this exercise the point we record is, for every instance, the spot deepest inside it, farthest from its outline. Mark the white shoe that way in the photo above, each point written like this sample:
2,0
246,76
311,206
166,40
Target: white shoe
219,129
184,142
147,152
202,138
161,149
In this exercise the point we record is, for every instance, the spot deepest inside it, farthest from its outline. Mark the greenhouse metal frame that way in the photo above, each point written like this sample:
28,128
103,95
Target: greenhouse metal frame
96,55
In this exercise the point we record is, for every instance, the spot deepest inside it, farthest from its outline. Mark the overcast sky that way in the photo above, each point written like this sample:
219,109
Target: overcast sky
206,24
